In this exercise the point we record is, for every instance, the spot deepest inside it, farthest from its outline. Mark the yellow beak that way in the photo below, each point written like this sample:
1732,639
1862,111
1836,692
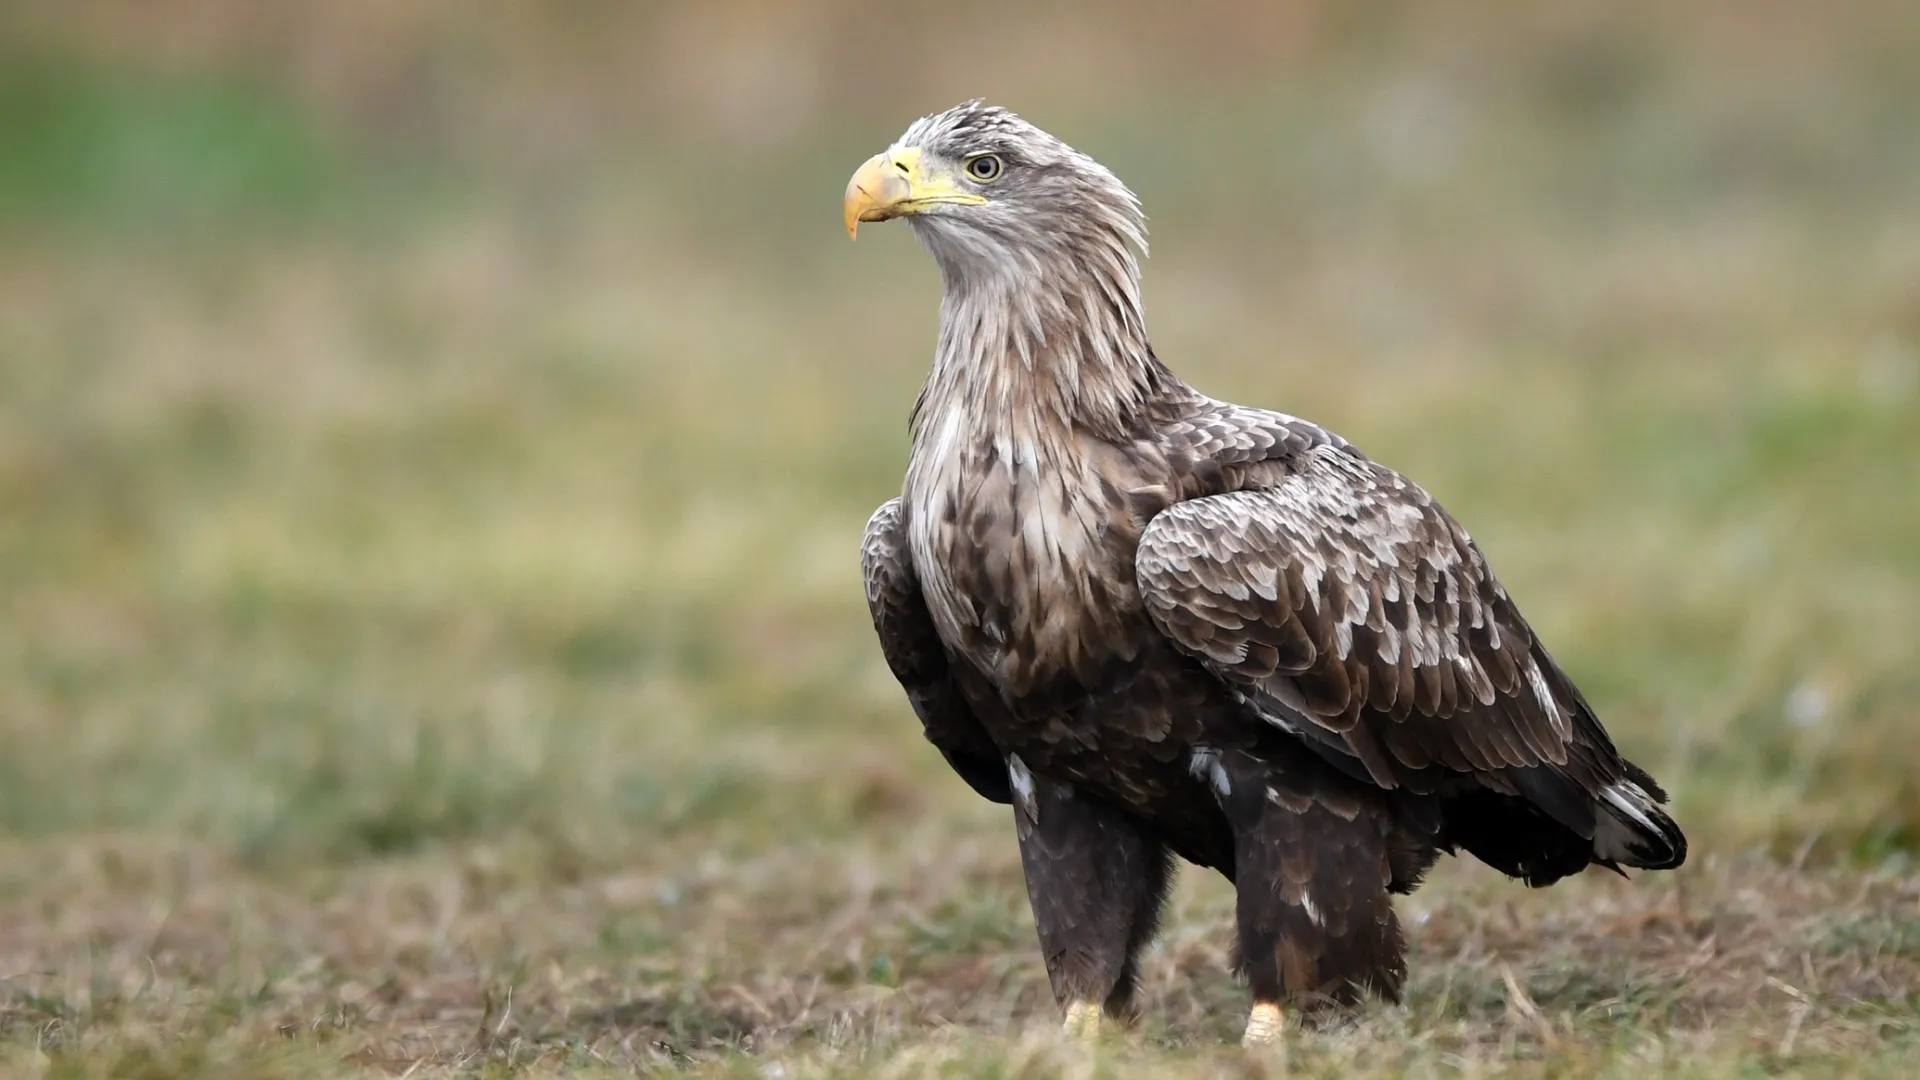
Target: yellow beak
895,184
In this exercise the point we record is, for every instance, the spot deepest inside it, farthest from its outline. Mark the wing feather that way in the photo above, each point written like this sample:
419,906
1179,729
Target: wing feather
919,661
1339,594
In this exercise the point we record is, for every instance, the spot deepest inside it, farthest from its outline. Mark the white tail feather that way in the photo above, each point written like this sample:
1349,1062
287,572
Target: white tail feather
1631,826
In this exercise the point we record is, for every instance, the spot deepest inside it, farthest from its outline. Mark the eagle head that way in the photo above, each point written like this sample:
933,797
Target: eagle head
991,196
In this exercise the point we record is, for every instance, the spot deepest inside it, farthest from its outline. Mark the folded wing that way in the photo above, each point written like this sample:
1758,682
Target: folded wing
1348,608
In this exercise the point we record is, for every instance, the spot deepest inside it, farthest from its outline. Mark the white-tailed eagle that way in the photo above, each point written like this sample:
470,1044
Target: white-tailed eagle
1158,624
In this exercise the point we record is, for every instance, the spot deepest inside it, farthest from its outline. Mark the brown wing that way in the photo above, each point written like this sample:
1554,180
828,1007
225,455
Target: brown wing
1351,609
917,658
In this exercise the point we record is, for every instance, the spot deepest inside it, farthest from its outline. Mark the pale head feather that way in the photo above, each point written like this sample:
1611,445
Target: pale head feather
1041,320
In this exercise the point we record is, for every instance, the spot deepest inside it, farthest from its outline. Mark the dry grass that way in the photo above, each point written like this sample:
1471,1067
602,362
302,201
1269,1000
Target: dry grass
905,949
432,453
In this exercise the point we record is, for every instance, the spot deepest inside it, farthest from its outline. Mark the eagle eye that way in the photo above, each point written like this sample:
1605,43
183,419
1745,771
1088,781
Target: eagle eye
984,167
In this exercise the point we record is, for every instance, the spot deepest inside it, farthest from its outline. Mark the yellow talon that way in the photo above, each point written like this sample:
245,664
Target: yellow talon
1083,1021
1264,1025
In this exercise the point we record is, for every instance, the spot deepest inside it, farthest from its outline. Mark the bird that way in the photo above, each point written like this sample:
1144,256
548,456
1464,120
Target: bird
1161,626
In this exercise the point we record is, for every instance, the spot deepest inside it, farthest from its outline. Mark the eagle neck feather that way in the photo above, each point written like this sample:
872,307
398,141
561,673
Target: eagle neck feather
1042,344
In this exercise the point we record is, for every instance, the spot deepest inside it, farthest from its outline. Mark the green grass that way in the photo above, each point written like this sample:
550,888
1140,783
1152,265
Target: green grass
429,629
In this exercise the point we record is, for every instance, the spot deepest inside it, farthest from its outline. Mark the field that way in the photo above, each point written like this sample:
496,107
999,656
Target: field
433,450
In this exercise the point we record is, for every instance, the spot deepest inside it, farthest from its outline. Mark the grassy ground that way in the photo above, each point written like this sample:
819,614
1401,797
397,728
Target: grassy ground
429,634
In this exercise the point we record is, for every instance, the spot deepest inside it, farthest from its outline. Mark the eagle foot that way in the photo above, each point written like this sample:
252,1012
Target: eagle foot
1083,1021
1265,1025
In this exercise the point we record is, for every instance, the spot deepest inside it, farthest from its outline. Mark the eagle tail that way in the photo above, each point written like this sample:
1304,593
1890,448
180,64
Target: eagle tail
1554,827
1633,827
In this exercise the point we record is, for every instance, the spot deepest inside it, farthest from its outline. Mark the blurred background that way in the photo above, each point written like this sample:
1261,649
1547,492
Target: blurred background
449,423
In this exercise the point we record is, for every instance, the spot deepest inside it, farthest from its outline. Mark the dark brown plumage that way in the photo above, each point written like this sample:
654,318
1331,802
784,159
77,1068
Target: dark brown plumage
1159,624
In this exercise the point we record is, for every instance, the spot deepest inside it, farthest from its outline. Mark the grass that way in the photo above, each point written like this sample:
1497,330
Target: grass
910,953
429,634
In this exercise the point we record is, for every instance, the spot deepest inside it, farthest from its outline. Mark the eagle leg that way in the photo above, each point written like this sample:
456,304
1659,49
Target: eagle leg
1097,883
1315,919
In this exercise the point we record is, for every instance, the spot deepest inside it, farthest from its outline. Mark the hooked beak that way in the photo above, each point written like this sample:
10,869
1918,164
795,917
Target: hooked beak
897,183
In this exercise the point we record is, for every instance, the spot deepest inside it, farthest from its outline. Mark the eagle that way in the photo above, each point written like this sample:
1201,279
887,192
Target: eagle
1158,625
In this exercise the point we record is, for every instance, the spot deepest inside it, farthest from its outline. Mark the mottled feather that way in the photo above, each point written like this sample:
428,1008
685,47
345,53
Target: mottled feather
1340,596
